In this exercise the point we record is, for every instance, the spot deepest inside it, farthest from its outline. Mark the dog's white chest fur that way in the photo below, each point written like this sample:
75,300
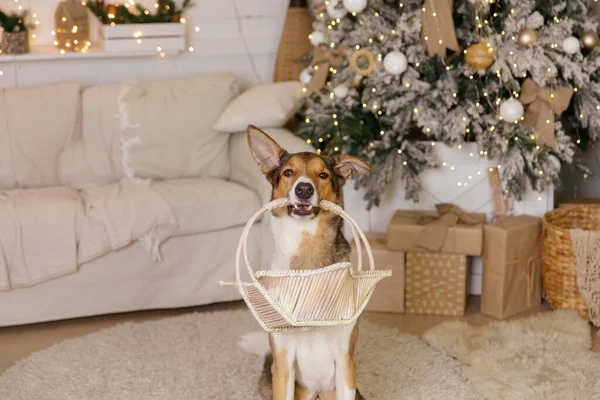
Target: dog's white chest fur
315,352
288,233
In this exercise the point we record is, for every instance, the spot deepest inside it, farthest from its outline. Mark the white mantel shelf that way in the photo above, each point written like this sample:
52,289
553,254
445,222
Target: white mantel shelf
47,53
240,36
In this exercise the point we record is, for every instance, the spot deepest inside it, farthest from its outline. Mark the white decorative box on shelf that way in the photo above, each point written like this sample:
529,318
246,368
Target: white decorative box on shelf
462,180
162,38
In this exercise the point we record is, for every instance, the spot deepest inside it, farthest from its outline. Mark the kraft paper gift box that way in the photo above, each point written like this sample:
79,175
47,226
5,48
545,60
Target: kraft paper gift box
449,230
436,284
511,266
389,293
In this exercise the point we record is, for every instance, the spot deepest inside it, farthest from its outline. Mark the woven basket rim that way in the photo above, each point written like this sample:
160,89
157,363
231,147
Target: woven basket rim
319,271
568,210
285,273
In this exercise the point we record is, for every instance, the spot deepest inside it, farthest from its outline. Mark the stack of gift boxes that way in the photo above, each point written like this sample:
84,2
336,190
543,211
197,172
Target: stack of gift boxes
430,254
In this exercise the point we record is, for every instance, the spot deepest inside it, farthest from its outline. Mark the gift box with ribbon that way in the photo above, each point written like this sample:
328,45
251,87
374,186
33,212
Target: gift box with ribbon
389,296
436,284
449,231
511,266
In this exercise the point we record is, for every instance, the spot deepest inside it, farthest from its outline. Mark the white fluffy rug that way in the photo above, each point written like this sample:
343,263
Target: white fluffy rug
544,357
195,356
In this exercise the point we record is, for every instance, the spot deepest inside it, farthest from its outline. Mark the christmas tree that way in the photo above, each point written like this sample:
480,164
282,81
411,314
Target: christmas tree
390,79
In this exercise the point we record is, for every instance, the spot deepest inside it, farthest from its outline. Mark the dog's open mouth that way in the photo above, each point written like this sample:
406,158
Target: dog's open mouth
303,209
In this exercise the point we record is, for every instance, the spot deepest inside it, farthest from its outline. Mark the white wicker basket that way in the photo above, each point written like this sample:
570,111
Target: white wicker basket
303,300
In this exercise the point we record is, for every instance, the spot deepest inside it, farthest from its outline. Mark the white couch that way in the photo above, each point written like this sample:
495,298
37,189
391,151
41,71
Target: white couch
71,141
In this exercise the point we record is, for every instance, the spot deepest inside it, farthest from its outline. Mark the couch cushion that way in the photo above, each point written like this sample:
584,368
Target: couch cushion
168,126
159,129
35,124
88,156
208,204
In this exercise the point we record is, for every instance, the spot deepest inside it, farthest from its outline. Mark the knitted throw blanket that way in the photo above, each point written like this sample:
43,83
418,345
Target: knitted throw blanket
586,246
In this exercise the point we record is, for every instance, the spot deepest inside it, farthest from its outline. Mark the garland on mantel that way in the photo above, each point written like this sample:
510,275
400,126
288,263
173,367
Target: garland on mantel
13,22
116,14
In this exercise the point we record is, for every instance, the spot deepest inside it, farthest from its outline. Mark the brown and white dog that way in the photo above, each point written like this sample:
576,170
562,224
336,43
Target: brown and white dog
318,364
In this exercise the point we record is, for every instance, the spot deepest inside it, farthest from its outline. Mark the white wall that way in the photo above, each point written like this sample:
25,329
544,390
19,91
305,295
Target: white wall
226,29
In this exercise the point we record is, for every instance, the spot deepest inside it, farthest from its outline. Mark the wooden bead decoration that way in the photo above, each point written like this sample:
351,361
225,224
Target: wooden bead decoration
362,54
480,55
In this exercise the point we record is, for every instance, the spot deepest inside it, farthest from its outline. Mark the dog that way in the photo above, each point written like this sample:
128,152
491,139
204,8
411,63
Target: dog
319,364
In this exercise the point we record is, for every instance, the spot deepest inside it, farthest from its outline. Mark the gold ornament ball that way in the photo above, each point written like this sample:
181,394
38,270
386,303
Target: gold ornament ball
590,40
527,37
480,55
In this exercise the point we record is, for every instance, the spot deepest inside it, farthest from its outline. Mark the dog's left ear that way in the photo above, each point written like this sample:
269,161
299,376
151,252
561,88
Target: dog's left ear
349,166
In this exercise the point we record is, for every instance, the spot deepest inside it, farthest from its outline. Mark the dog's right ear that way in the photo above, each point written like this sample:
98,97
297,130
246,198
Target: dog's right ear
264,149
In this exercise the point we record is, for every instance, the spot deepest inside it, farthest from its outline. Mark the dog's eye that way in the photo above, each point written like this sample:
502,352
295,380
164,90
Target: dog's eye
323,175
288,172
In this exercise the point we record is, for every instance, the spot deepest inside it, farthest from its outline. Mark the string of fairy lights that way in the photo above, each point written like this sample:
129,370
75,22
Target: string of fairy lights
74,45
480,22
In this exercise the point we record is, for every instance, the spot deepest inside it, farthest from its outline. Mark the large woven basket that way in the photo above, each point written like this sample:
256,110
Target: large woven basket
558,257
304,300
294,42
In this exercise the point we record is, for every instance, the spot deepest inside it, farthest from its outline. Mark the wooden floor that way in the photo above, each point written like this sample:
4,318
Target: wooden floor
20,341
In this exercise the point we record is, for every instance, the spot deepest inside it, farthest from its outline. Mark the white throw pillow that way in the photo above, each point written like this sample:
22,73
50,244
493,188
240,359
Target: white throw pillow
167,128
266,106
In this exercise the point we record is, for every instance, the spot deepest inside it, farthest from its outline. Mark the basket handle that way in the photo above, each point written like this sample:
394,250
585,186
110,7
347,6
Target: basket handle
324,204
358,234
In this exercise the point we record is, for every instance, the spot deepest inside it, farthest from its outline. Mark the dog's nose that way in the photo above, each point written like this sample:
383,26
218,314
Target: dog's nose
304,190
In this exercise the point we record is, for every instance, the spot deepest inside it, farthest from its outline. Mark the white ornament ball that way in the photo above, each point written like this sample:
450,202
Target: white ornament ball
571,45
305,76
395,63
334,11
341,91
511,110
316,38
355,6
